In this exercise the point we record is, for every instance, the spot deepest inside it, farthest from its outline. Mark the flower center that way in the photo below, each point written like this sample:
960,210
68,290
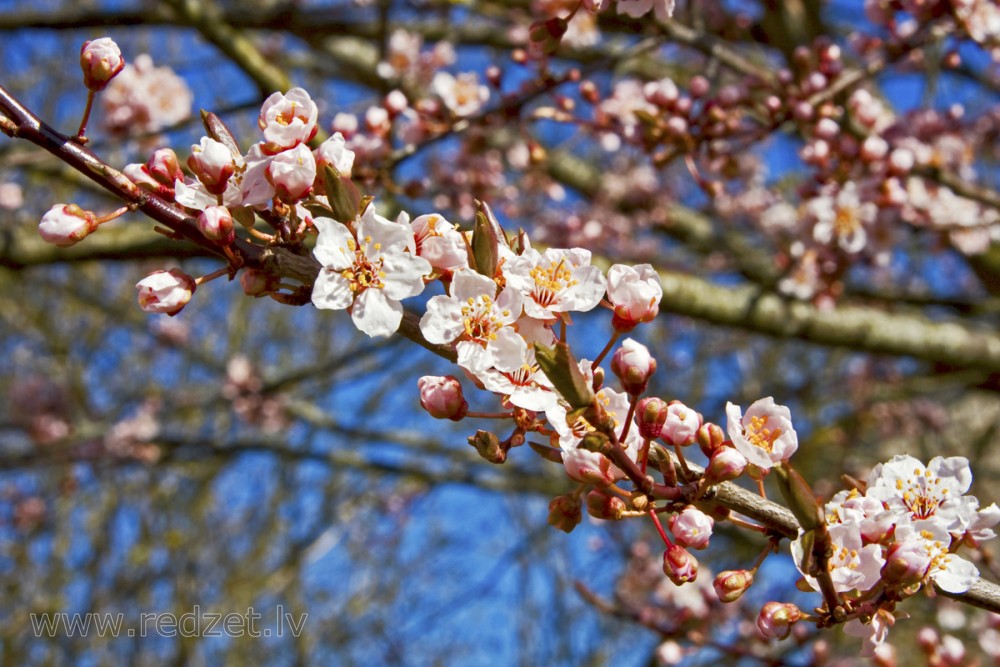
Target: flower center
759,435
365,273
550,282
481,319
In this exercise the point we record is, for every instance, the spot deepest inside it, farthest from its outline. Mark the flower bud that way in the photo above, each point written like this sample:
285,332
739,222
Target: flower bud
681,425
66,224
633,365
691,527
776,619
164,166
726,464
710,437
442,397
679,565
334,152
258,283
216,224
292,172
487,446
101,60
732,584
213,164
602,505
165,292
287,120
650,415
565,512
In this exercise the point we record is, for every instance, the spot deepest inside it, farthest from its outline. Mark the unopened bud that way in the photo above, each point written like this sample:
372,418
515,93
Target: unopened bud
216,224
565,512
776,619
292,172
66,224
725,464
212,162
101,60
679,565
650,415
165,292
602,505
164,166
633,365
732,584
488,446
442,397
710,437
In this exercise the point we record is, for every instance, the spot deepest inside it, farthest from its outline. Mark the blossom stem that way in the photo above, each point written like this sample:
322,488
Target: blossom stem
644,454
746,524
114,214
212,276
628,419
81,134
490,415
680,458
260,235
607,348
659,528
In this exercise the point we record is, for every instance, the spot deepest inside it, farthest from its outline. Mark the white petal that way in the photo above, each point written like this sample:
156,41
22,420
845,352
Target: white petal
376,315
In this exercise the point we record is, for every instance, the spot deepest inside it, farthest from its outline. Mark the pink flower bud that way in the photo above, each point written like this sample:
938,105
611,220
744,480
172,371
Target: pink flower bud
633,365
139,174
334,152
679,565
635,293
442,397
66,224
725,464
710,437
396,102
732,584
602,505
565,512
164,166
692,528
682,424
257,283
292,172
216,224
213,164
165,292
650,415
101,60
776,619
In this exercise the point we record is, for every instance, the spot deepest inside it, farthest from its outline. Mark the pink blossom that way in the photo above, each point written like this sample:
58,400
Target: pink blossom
463,95
764,435
479,322
144,98
367,275
555,281
662,9
165,292
776,619
440,243
679,565
213,164
635,293
691,527
287,120
292,173
681,425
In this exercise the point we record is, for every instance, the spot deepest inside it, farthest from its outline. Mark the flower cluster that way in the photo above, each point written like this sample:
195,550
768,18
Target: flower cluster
900,533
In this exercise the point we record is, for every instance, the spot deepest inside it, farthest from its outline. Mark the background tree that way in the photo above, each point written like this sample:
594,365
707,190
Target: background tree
814,184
